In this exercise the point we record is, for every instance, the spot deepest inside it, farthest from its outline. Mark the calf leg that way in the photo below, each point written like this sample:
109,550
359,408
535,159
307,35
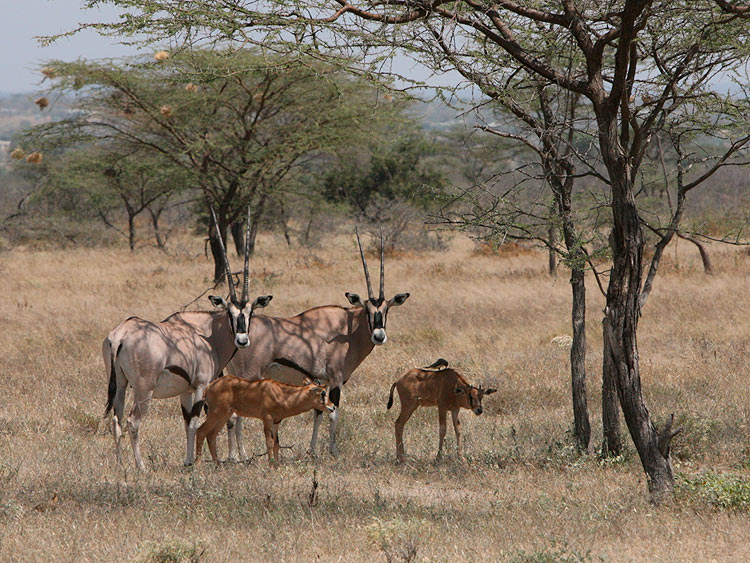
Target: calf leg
441,421
270,439
457,429
140,409
403,417
275,429
208,431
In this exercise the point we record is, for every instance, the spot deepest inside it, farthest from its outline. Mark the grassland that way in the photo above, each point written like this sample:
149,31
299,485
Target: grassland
521,494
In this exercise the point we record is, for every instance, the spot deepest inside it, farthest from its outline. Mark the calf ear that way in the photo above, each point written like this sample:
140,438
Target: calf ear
354,299
490,391
459,391
261,301
398,299
217,301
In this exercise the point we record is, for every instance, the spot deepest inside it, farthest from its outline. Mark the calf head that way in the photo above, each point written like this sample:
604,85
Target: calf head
376,309
470,397
321,399
240,311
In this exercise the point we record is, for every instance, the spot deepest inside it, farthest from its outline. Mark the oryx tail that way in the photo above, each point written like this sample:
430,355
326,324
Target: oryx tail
112,389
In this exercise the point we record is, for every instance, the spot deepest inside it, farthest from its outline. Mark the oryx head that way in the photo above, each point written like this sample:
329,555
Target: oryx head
470,397
377,309
240,311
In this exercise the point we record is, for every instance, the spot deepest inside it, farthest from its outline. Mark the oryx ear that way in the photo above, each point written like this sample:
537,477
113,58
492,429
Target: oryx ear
261,301
398,299
354,299
217,301
490,391
459,391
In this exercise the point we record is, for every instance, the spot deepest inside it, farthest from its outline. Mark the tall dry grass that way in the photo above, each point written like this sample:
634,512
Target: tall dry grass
522,494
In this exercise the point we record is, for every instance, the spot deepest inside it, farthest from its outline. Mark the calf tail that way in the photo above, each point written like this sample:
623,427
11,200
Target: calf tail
112,389
390,396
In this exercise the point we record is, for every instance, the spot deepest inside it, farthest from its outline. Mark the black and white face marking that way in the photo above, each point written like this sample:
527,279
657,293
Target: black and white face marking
240,315
377,314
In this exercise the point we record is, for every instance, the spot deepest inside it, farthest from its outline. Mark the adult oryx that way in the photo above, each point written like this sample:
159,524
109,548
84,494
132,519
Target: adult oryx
180,355
324,343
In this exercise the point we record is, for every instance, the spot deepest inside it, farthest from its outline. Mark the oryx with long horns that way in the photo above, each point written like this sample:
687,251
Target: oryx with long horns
180,355
323,343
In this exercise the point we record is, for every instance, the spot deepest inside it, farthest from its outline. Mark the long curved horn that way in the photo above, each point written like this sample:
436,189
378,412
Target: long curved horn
382,266
246,270
364,265
228,270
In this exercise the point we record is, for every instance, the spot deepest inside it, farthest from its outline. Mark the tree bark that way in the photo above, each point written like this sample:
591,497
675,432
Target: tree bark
256,218
218,257
238,237
578,359
131,231
155,215
552,239
621,324
612,438
708,267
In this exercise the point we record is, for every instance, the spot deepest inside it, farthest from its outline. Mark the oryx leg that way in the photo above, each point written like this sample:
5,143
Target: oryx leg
118,414
457,429
231,441
333,417
317,417
406,411
192,403
141,402
241,454
441,420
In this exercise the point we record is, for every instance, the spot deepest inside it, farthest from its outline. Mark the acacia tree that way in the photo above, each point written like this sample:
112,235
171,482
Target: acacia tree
239,123
643,61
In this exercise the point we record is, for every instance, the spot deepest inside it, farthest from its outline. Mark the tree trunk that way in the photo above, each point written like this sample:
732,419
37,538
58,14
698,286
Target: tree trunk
621,325
563,193
578,359
611,439
708,267
238,236
155,215
131,231
218,257
256,218
552,239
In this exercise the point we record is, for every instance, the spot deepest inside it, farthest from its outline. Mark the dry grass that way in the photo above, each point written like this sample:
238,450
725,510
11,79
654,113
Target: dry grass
522,494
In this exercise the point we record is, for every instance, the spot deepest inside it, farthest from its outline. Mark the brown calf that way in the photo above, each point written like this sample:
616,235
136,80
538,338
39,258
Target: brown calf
435,386
266,399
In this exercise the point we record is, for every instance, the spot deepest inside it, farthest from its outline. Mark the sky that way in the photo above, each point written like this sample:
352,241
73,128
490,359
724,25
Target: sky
21,55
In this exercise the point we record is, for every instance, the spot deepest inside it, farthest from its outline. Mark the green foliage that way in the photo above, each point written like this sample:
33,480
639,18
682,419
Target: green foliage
720,490
399,172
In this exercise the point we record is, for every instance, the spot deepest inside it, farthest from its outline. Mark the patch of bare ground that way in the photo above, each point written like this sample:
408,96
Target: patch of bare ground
521,494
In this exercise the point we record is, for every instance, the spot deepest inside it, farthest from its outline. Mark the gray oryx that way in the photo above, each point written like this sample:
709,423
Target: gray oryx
324,343
180,355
